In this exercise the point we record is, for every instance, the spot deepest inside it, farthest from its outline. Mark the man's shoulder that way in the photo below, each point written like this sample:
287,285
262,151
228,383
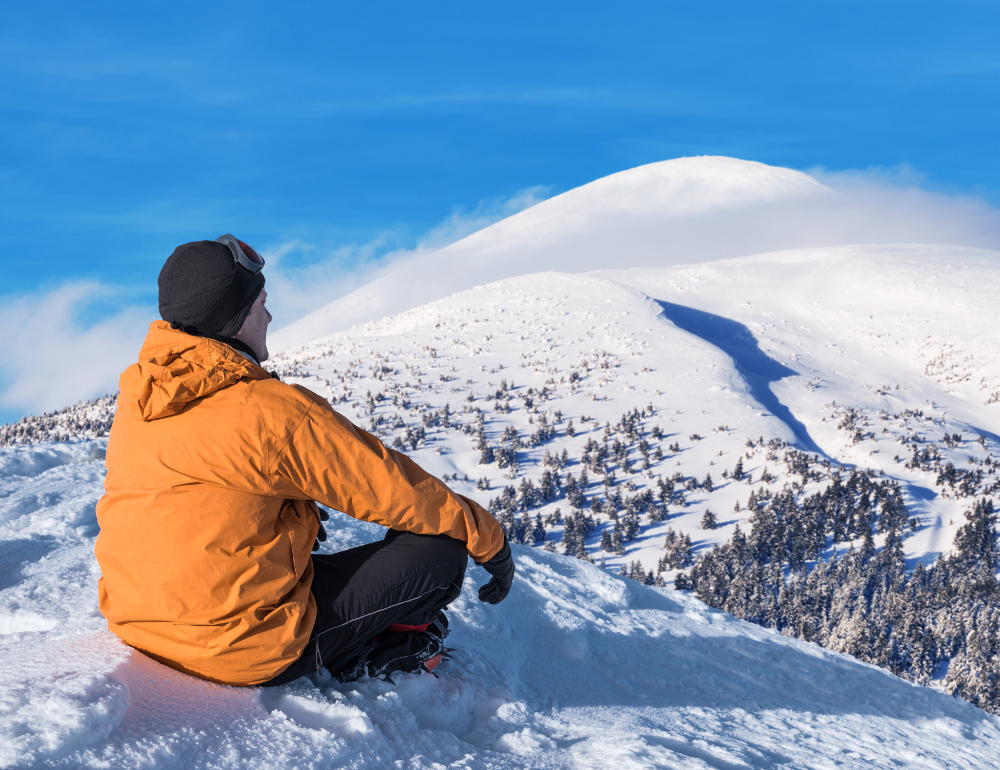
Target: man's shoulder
277,399
284,409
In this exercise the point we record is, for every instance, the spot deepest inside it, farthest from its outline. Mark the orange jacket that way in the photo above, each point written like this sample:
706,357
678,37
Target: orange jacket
207,521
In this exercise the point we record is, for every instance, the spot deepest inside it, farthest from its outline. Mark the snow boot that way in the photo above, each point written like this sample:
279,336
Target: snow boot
400,648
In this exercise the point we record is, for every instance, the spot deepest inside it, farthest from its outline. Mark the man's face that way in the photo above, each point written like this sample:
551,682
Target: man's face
254,329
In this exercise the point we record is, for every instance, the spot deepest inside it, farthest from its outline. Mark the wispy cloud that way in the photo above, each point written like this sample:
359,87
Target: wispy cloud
302,278
896,204
53,357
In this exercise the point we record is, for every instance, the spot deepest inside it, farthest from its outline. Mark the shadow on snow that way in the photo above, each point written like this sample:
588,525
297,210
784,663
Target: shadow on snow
757,368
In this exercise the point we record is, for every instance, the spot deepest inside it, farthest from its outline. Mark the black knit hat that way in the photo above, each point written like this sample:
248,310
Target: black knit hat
203,291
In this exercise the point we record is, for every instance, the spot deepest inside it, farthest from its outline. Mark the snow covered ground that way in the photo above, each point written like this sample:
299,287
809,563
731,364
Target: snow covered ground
577,668
857,356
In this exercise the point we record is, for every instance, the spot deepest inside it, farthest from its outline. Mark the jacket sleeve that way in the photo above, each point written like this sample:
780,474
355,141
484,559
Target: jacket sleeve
329,459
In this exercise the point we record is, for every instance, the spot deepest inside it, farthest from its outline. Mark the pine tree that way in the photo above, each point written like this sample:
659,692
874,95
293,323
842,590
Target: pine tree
630,526
975,542
686,552
538,534
569,534
708,520
617,541
527,494
546,488
574,496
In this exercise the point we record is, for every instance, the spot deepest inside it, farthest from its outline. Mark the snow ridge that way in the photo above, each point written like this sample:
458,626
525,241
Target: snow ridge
654,215
86,419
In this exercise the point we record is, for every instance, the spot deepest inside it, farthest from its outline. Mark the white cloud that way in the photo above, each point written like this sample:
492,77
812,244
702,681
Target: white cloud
894,205
52,358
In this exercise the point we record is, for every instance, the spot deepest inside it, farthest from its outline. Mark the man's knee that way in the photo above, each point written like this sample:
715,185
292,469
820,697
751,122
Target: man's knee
440,549
455,550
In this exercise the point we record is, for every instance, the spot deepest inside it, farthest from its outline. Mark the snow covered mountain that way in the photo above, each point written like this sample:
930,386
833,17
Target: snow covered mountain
681,211
635,418
775,346
85,419
649,216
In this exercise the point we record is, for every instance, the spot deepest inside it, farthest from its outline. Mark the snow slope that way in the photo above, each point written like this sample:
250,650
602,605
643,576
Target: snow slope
775,346
578,668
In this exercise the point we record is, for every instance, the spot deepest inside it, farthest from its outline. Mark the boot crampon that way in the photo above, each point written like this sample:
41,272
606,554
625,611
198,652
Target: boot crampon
400,648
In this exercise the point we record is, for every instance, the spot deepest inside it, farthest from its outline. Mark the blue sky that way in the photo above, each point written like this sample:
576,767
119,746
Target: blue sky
344,131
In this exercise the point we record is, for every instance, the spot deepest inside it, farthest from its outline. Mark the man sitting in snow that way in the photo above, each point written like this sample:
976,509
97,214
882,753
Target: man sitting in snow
209,519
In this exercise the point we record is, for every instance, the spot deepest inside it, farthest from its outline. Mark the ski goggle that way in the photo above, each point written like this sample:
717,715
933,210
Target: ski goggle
243,253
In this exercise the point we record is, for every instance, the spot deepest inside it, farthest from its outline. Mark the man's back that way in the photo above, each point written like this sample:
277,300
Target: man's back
203,567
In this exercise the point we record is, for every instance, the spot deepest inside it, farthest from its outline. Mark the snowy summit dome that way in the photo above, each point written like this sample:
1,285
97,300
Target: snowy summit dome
673,212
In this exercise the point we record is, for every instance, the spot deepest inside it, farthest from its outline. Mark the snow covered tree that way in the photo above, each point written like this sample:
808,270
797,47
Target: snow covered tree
630,525
538,534
574,496
546,487
617,541
527,494
975,542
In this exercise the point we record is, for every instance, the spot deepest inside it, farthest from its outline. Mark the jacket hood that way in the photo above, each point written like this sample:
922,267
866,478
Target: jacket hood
175,368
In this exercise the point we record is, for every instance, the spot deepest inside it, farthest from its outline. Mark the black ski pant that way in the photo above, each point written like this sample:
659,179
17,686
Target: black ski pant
405,578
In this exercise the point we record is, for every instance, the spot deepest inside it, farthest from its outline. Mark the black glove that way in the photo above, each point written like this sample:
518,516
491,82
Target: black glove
501,567
321,535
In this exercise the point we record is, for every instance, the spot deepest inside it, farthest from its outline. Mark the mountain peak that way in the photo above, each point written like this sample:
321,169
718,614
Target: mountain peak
660,214
684,187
